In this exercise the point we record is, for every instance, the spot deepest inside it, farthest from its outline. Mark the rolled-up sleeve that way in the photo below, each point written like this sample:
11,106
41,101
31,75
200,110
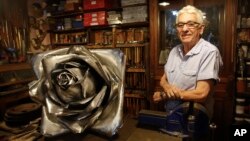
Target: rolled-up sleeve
210,66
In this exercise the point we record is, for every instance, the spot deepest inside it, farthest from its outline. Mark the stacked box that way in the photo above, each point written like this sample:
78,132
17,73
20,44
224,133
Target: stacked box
77,22
134,14
95,18
72,5
132,2
114,17
67,23
96,4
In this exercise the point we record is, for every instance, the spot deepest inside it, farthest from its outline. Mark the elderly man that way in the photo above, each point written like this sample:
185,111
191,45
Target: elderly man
192,68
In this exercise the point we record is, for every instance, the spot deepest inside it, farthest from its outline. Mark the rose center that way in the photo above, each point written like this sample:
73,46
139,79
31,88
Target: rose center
64,78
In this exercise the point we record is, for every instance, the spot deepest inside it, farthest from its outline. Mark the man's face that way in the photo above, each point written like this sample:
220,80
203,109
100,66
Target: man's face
188,28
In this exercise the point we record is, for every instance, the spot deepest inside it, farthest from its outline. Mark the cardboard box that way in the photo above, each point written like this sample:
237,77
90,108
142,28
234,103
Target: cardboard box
95,18
96,4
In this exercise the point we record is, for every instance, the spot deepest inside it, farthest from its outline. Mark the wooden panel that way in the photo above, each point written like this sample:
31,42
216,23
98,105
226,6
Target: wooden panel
13,67
133,103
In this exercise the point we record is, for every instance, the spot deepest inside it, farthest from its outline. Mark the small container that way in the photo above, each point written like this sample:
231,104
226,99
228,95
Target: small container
245,50
239,119
247,68
248,22
247,120
241,84
240,109
240,105
246,110
238,21
240,100
243,22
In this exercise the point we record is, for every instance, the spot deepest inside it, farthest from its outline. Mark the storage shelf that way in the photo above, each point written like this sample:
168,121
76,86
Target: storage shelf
241,123
134,24
9,83
136,70
135,5
72,30
99,46
101,27
134,95
242,115
103,9
65,14
240,28
13,91
126,45
244,43
121,25
243,94
14,67
68,44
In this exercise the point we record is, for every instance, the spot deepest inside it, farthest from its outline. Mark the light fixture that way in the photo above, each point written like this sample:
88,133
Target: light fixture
163,3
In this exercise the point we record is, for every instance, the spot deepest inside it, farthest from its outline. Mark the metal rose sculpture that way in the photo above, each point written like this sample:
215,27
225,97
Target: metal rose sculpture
80,89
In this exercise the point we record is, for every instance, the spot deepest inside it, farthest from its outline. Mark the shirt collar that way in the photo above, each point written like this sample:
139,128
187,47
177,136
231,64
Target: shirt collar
195,50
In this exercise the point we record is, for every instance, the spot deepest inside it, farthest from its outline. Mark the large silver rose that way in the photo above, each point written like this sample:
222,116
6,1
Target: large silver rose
79,89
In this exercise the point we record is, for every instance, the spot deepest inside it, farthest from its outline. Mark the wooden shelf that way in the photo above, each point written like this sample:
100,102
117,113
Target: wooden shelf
244,28
15,82
134,95
72,30
135,70
14,67
66,14
126,45
244,43
241,123
103,9
135,5
68,44
243,94
13,91
121,25
103,27
99,46
242,115
134,24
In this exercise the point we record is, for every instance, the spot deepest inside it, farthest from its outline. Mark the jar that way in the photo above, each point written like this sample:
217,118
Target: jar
240,106
248,22
243,22
239,120
247,120
245,50
241,84
247,68
239,109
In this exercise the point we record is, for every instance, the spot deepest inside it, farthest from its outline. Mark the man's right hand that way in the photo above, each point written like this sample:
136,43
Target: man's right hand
158,96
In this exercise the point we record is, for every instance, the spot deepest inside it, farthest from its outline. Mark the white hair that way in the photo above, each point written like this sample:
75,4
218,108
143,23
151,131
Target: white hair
192,10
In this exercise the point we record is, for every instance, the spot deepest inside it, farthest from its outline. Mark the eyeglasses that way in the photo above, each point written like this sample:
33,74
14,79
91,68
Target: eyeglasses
189,25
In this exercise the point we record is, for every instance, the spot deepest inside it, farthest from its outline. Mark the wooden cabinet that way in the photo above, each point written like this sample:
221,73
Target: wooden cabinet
73,34
242,47
65,22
